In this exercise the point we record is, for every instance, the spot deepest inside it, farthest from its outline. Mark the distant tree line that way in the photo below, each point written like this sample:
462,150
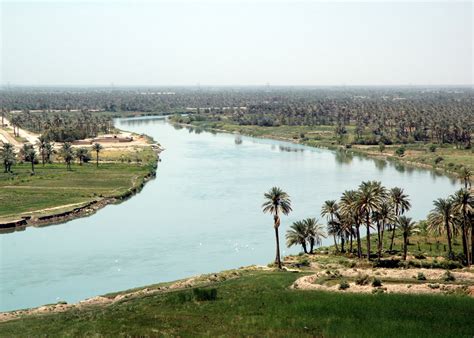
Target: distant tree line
380,115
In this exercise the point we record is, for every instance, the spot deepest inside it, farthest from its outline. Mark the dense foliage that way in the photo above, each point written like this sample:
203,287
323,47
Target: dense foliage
379,114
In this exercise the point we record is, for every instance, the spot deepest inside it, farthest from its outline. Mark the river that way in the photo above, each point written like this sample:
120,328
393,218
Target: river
201,214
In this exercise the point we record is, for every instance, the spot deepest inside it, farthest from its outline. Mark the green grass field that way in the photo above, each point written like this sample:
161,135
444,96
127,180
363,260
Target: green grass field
54,186
260,304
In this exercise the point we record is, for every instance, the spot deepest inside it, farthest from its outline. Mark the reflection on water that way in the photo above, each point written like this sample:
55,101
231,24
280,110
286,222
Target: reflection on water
380,164
201,214
343,156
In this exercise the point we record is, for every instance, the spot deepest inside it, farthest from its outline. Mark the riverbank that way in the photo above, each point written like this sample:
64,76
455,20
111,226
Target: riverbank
55,195
226,304
446,159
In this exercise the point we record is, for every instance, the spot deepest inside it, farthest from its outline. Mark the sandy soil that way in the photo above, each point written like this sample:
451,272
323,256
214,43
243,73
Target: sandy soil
433,276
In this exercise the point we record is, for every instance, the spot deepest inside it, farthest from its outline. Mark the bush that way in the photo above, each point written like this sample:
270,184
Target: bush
433,286
438,159
448,277
432,148
421,276
344,285
303,262
400,151
205,294
378,291
376,282
362,279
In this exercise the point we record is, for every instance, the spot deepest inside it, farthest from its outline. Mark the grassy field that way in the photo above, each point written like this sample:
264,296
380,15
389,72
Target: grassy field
260,303
54,186
446,158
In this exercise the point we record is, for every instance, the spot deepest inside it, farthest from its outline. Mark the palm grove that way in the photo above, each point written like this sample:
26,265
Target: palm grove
380,212
29,154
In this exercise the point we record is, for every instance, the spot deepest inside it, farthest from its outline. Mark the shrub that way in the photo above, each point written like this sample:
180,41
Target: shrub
303,262
205,294
376,282
438,159
378,291
421,276
448,276
344,285
432,148
362,279
400,151
433,286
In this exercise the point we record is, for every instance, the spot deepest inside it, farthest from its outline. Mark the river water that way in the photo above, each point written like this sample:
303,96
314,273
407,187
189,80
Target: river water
201,214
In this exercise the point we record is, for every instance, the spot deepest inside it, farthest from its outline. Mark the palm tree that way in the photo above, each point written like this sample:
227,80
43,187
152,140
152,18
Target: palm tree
315,232
462,206
383,217
408,228
67,152
465,175
277,202
401,204
97,148
369,198
329,210
82,154
42,148
350,211
29,155
297,235
8,156
441,219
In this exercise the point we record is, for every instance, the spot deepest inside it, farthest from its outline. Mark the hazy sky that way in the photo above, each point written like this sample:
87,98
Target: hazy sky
236,43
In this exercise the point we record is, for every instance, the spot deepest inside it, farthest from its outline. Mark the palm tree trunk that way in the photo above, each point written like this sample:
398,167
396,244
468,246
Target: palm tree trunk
368,236
359,248
342,244
277,258
405,247
304,248
32,166
311,245
335,243
97,160
448,233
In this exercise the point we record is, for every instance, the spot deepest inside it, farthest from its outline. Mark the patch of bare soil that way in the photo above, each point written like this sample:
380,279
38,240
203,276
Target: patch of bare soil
393,281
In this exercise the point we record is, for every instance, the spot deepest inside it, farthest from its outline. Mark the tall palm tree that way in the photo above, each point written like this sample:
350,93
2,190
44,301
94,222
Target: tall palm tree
465,175
97,148
8,156
382,217
407,227
82,154
67,152
401,204
329,210
462,206
29,155
350,211
277,202
441,219
369,198
42,148
315,232
297,235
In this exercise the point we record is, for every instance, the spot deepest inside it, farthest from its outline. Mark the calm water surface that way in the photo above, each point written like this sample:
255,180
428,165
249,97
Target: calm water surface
201,214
